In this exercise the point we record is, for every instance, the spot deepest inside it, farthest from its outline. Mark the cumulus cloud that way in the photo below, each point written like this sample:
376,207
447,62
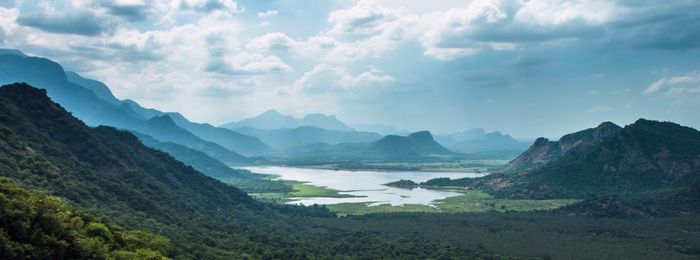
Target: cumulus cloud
249,63
268,13
69,22
272,41
210,5
364,18
328,78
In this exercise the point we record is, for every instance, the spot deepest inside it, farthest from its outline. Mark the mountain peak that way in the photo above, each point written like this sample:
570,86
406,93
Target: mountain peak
421,135
163,120
271,112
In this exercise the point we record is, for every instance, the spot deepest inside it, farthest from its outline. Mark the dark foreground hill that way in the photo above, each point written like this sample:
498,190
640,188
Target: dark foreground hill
34,225
647,160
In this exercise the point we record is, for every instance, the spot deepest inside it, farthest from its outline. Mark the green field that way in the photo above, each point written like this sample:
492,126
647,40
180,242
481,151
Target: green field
470,201
300,190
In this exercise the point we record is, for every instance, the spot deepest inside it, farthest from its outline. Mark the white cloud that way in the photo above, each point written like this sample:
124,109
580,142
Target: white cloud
326,78
366,17
209,5
680,82
268,13
656,86
679,90
249,63
272,41
557,12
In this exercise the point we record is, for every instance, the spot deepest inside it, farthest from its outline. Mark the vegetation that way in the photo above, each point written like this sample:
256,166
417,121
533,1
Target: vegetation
470,201
302,189
645,161
404,184
111,175
37,226
242,179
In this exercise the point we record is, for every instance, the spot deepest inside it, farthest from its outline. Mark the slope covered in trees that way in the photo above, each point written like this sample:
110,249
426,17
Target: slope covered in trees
38,226
657,163
109,173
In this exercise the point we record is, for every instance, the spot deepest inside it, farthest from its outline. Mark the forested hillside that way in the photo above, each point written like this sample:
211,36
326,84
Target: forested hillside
109,173
38,226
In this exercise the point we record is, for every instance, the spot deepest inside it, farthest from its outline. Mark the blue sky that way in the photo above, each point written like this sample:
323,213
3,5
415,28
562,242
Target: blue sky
528,68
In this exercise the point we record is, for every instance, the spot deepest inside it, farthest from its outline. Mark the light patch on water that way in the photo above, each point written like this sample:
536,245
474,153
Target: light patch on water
367,185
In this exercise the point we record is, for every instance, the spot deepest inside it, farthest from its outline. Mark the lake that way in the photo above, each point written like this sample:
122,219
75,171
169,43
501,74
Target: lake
367,184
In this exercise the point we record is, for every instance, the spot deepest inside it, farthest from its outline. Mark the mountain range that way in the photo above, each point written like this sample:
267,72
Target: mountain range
415,146
93,102
284,138
272,119
478,141
648,160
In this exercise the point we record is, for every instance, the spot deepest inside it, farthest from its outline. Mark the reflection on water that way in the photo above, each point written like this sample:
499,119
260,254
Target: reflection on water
367,184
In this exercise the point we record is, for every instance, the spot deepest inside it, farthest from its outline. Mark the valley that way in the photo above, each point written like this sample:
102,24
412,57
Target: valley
354,129
360,192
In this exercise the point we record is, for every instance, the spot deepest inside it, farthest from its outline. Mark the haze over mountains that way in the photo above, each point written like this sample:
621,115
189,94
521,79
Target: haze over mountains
272,119
270,133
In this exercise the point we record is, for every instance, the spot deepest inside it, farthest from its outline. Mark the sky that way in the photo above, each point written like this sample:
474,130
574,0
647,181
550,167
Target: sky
527,68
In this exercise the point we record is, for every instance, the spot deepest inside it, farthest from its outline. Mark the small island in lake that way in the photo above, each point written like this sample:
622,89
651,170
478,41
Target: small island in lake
404,184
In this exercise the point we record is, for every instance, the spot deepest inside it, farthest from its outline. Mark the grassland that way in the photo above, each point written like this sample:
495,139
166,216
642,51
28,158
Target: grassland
300,190
470,201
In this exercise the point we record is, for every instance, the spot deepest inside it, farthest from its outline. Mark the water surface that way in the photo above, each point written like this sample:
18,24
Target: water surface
367,184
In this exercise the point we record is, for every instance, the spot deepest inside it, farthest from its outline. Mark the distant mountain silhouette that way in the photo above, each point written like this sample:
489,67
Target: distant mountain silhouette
418,145
478,141
272,119
381,129
93,102
288,137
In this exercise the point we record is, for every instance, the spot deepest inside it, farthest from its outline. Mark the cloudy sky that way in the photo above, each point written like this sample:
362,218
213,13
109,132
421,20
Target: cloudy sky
529,68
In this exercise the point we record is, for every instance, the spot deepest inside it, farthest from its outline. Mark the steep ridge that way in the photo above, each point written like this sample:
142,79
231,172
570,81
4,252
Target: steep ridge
544,151
645,160
86,103
234,141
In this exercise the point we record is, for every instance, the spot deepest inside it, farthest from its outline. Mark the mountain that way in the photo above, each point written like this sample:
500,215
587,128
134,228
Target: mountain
99,88
102,169
93,102
478,141
285,137
471,134
242,179
544,151
644,160
381,129
109,173
232,140
272,119
418,145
